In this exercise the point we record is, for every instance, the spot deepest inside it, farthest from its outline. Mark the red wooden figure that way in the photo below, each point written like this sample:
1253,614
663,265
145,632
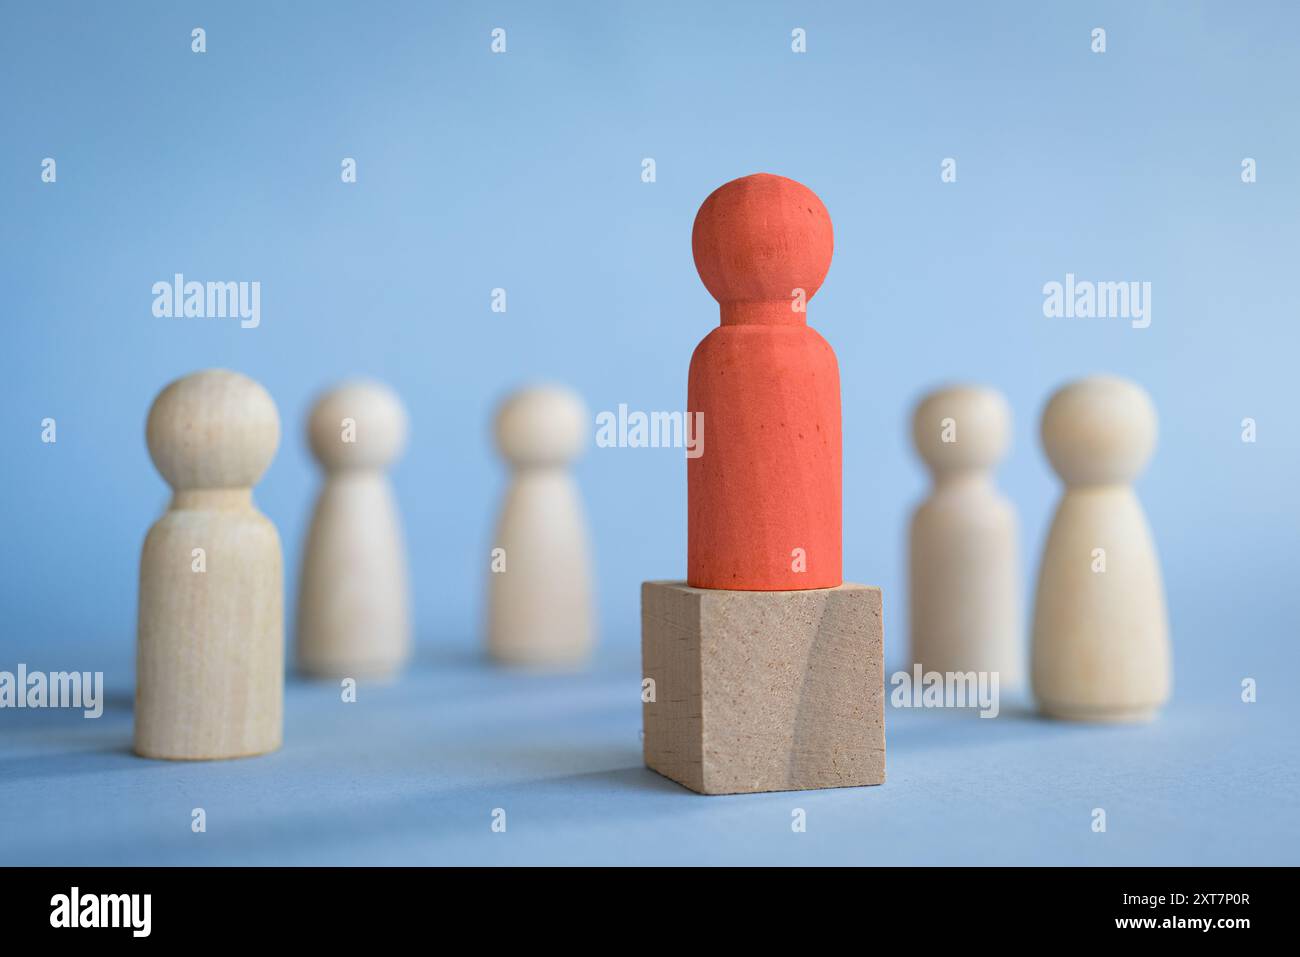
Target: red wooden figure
764,497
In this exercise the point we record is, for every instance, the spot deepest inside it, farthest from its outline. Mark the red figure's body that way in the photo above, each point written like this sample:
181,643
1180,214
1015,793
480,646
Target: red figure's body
764,497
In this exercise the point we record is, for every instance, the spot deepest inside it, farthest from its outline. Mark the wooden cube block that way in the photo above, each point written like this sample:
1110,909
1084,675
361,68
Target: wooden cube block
763,690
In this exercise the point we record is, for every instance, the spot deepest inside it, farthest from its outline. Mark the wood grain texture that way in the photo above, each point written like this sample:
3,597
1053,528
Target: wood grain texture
763,690
210,651
764,498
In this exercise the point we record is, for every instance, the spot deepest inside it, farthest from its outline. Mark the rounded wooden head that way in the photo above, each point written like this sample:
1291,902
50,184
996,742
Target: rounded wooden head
359,424
962,427
761,237
1099,430
214,429
543,425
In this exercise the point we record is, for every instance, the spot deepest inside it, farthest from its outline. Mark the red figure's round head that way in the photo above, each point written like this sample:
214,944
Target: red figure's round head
762,239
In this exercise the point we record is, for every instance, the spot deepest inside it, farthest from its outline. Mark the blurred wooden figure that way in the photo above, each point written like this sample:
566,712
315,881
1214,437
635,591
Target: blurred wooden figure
353,604
1101,636
965,591
539,586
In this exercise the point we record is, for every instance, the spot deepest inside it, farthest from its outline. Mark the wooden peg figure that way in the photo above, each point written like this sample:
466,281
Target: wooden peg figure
965,595
764,670
210,653
1101,634
353,607
540,609
764,497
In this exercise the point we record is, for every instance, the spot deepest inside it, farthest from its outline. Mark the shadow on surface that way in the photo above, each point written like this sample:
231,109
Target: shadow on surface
115,755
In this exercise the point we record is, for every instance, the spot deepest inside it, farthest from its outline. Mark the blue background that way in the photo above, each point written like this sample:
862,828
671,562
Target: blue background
522,171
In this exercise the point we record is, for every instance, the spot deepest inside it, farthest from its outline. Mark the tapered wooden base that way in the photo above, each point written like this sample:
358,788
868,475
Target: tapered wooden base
763,691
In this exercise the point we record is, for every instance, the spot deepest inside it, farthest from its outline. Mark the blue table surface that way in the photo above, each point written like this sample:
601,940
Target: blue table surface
412,772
